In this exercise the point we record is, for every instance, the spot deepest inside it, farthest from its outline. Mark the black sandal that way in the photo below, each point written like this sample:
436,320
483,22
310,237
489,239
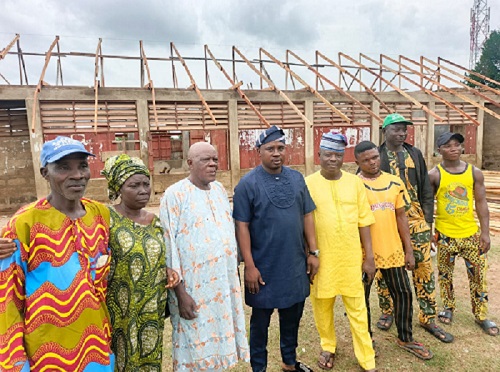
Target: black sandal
488,326
445,316
438,332
385,322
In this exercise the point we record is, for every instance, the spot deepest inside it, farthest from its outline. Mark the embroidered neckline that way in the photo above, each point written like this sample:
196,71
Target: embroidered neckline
278,187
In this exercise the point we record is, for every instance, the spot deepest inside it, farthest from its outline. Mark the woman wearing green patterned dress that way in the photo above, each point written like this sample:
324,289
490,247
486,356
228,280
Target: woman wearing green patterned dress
137,286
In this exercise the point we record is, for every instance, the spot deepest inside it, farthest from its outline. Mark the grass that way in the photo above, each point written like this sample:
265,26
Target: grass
472,350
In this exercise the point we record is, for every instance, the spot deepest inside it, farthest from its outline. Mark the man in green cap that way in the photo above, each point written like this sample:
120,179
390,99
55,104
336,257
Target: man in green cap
402,159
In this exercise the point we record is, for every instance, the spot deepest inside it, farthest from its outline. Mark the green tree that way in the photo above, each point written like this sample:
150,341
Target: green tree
489,63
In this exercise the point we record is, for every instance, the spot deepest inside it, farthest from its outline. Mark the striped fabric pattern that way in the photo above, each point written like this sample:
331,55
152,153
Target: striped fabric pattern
53,315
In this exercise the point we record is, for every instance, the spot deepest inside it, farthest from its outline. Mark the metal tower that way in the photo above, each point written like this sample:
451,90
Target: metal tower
479,29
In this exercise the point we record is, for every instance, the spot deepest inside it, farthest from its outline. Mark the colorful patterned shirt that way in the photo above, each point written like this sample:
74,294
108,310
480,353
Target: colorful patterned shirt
53,315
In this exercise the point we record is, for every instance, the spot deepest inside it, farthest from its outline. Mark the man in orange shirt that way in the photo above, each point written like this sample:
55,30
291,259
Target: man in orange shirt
391,242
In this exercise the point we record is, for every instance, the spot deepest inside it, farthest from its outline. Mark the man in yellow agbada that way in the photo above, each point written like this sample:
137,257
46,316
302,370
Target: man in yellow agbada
342,218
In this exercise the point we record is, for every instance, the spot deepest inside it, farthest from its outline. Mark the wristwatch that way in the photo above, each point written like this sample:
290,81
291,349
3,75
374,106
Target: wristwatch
315,253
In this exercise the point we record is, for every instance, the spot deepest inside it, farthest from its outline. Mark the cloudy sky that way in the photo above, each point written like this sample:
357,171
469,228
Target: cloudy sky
412,28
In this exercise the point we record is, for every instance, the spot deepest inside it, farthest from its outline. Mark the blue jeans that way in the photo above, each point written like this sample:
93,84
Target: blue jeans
289,319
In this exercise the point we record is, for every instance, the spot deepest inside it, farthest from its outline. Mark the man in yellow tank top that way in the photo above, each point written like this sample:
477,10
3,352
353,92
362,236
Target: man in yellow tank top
457,186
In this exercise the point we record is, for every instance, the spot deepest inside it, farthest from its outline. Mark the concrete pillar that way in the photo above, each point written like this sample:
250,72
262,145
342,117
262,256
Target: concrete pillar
143,126
36,143
430,135
234,143
479,136
185,149
309,137
375,125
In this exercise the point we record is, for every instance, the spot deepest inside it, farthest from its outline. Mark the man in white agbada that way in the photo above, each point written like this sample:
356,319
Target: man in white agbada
206,308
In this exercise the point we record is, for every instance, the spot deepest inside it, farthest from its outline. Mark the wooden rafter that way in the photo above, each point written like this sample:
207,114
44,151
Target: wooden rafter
41,82
236,86
274,88
96,82
5,50
337,88
344,71
22,65
471,72
150,84
396,88
193,84
464,97
307,86
472,90
429,92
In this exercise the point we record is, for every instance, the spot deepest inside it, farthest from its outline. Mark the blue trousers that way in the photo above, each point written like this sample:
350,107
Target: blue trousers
289,320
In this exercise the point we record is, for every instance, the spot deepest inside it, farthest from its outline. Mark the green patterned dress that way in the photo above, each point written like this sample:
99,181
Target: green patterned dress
137,295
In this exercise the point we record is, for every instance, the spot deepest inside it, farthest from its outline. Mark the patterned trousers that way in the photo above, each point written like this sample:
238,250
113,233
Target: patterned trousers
476,264
424,281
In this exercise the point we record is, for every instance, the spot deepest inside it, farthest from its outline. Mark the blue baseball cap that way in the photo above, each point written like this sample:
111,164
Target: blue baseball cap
59,148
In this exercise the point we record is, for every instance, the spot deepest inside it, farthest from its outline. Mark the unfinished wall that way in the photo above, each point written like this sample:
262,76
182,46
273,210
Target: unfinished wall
491,149
16,173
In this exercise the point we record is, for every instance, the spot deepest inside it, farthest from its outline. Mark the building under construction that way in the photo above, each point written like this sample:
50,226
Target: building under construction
158,121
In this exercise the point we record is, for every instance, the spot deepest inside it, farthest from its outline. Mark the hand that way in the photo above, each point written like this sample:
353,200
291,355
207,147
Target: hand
312,267
187,306
253,279
434,241
7,247
369,269
409,261
484,242
172,278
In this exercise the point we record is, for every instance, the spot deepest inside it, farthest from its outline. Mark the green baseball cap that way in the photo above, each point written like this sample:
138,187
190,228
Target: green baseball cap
395,119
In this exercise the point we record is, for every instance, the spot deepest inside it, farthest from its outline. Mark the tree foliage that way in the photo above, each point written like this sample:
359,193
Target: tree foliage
489,62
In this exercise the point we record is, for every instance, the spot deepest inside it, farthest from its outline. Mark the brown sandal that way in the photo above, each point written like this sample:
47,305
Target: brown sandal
416,349
327,362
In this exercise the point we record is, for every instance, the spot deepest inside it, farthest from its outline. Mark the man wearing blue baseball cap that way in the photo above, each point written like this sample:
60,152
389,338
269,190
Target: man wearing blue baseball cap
342,218
272,209
54,314
399,158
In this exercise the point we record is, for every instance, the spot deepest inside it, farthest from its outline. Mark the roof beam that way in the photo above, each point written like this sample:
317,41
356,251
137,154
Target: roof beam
236,86
308,87
429,92
337,88
404,94
344,71
5,50
96,82
474,91
470,71
22,66
274,88
194,86
150,84
38,88
461,96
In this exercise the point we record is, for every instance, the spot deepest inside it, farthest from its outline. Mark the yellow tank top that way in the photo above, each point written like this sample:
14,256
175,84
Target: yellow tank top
455,196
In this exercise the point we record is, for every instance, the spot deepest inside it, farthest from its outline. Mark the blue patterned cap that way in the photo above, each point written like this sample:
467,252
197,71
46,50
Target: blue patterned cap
271,134
332,141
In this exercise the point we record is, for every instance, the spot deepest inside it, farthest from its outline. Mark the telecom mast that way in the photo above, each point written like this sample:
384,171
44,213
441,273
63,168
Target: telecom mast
479,29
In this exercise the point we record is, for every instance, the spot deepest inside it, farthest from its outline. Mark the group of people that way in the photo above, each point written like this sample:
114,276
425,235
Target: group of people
85,287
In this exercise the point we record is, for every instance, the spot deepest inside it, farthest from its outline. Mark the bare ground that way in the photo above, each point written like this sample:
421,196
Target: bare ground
472,350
